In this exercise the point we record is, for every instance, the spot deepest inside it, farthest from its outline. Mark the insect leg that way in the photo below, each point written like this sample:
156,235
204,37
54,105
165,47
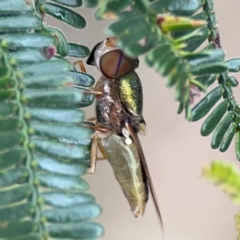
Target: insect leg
94,150
82,68
96,145
101,149
81,65
93,119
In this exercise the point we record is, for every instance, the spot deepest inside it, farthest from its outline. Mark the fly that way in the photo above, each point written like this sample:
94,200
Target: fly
119,105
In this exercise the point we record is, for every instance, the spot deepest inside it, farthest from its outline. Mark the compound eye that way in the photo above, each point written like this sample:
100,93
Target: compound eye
114,64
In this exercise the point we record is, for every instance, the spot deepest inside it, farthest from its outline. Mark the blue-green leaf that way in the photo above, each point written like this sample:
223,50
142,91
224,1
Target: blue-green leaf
66,15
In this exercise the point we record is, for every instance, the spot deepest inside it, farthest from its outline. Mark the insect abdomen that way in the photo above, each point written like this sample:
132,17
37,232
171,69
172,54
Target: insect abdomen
128,171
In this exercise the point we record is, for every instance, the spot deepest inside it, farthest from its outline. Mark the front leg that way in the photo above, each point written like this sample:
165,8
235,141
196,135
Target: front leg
96,140
90,90
81,66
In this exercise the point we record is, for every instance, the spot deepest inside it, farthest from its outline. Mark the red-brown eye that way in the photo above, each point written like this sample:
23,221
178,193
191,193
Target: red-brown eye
115,64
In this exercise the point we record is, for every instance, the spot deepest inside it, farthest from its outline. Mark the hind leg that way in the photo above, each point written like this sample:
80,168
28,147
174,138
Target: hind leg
95,148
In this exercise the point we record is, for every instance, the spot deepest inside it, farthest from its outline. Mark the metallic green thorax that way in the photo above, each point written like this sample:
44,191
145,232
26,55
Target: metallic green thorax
130,92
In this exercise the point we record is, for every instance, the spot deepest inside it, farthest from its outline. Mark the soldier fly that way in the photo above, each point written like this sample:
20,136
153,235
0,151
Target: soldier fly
119,105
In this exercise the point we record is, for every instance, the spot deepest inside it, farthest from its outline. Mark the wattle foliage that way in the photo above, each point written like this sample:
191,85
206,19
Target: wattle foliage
44,150
184,46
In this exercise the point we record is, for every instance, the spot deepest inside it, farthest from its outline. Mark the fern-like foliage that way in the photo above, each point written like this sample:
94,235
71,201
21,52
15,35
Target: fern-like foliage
171,35
223,120
168,32
227,177
44,150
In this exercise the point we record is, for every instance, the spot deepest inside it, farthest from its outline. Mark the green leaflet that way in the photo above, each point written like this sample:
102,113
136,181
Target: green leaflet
77,213
28,40
77,134
60,149
13,176
63,14
136,49
221,129
55,115
210,69
27,56
87,100
182,91
232,81
207,80
112,7
168,67
186,37
161,52
62,182
9,124
193,38
7,109
142,5
90,3
19,23
30,237
76,230
4,67
50,67
60,167
17,229
61,98
56,81
70,3
195,55
178,73
182,7
11,158
205,105
214,118
196,41
59,80
10,139
15,195
7,95
227,139
82,79
7,83
237,145
200,16
128,31
13,7
14,213
62,45
78,51
59,199
212,56
233,65
209,8
210,64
